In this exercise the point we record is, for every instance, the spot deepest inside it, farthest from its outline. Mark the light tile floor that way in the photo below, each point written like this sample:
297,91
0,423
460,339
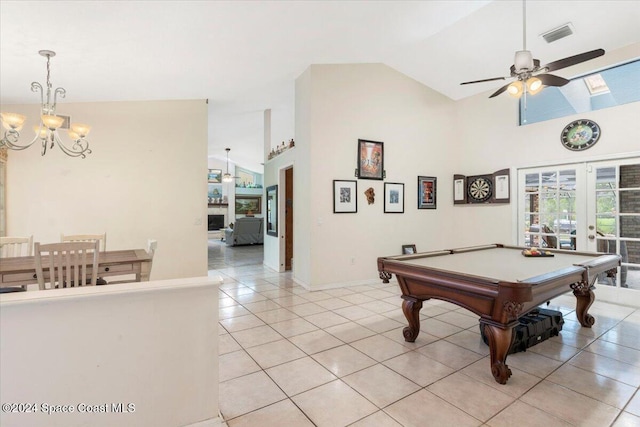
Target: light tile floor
290,357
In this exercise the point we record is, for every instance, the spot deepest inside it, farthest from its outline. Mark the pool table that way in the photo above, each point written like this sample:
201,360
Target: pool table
498,283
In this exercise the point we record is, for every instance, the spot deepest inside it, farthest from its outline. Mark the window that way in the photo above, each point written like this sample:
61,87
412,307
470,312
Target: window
602,89
248,179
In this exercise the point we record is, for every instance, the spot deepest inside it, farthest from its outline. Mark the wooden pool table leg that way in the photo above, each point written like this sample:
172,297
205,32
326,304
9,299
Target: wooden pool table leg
584,299
500,340
411,309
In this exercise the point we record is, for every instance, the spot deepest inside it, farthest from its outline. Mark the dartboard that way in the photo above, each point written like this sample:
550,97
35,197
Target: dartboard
479,189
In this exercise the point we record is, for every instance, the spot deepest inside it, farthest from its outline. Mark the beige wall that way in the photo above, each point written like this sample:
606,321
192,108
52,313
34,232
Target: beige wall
490,139
146,178
424,133
335,106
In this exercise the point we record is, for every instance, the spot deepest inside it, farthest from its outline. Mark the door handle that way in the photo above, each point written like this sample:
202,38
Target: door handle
591,237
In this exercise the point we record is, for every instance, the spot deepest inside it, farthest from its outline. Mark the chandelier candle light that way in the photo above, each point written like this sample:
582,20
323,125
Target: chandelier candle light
47,130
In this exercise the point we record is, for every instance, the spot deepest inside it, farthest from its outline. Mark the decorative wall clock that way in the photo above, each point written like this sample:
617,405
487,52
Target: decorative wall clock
580,135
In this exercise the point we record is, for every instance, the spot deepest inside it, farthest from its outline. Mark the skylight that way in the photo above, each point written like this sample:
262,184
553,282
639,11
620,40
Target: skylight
596,84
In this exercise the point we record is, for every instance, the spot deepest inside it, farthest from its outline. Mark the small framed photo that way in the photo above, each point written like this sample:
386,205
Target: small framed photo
215,176
393,197
427,192
370,159
409,249
345,196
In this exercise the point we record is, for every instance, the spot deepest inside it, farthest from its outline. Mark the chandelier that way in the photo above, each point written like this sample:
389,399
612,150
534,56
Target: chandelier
50,124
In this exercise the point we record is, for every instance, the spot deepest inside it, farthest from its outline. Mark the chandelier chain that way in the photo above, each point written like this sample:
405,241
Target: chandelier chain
49,71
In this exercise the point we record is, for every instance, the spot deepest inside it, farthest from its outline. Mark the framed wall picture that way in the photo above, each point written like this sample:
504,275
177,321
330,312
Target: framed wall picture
427,192
370,159
248,205
215,176
214,192
393,197
345,196
409,249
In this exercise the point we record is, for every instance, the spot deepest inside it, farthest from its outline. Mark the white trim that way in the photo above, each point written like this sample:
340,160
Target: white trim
211,422
616,156
621,296
376,281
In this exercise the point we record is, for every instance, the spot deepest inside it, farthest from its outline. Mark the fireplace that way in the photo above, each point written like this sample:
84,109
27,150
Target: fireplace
215,222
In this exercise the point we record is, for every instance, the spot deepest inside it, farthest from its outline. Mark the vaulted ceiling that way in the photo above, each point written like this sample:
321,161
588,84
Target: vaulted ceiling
244,56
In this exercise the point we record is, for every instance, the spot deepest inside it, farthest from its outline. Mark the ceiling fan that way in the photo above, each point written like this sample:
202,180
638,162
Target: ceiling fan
227,177
529,76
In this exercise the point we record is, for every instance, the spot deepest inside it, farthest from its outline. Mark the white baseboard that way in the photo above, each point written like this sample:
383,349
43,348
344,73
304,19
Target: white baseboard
212,422
335,285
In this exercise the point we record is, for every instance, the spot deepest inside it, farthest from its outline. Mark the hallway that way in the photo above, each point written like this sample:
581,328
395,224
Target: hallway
221,256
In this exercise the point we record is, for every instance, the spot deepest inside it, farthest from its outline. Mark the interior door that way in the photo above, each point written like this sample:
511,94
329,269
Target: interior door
288,218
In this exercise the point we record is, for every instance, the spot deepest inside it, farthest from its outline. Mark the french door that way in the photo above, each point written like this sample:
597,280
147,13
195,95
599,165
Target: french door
590,206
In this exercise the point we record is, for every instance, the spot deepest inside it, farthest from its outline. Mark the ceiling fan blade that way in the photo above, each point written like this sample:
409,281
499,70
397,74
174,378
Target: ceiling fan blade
551,80
484,80
573,60
499,91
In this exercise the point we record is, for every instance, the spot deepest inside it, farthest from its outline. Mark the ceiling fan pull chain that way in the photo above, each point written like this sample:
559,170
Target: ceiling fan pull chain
524,105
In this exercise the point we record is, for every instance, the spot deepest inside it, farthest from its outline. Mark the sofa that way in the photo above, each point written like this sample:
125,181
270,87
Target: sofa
246,231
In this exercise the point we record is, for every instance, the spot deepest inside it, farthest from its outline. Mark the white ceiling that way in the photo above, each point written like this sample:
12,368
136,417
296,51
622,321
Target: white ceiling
245,56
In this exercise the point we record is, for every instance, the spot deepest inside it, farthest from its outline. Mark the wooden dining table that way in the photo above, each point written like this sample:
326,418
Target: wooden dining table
21,271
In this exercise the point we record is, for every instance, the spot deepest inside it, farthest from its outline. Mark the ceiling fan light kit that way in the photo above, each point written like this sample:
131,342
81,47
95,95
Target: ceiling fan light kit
533,85
515,89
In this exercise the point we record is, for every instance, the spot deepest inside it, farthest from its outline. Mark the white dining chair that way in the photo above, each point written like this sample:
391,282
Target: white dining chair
16,246
68,264
102,238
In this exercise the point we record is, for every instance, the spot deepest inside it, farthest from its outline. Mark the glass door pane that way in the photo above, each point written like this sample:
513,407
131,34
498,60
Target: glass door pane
614,212
548,208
